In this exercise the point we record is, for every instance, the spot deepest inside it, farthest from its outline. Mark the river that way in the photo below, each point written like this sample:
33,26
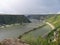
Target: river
16,30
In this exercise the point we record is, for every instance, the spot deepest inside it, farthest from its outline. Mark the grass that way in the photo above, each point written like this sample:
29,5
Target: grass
31,30
55,20
34,41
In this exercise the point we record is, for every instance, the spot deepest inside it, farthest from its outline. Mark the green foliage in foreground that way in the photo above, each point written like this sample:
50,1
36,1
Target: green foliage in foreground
34,41
39,41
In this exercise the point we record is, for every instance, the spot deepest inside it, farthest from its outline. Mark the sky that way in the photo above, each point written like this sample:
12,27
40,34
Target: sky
29,6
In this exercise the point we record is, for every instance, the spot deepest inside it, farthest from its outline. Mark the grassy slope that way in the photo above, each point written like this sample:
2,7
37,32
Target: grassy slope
55,20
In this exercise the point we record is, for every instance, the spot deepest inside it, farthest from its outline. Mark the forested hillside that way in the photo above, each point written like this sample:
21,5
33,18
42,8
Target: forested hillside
11,19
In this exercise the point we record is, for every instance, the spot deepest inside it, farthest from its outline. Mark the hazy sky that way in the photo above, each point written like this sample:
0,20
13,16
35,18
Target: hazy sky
29,6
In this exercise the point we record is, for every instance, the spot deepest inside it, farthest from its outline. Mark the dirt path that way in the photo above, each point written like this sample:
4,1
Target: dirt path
50,25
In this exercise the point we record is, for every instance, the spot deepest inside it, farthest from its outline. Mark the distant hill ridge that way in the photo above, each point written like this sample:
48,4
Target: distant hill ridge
11,19
39,16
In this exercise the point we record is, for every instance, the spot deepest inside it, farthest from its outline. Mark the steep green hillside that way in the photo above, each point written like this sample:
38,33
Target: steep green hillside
51,38
55,34
55,20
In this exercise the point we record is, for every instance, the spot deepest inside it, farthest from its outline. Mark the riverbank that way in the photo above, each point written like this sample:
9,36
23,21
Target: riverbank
16,31
52,27
34,29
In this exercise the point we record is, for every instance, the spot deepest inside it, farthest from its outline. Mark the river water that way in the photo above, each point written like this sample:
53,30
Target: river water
16,30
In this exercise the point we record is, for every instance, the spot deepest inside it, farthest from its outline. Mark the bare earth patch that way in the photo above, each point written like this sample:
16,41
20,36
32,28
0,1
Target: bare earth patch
13,42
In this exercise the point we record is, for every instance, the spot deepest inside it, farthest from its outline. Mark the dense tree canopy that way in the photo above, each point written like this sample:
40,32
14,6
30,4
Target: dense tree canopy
11,19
